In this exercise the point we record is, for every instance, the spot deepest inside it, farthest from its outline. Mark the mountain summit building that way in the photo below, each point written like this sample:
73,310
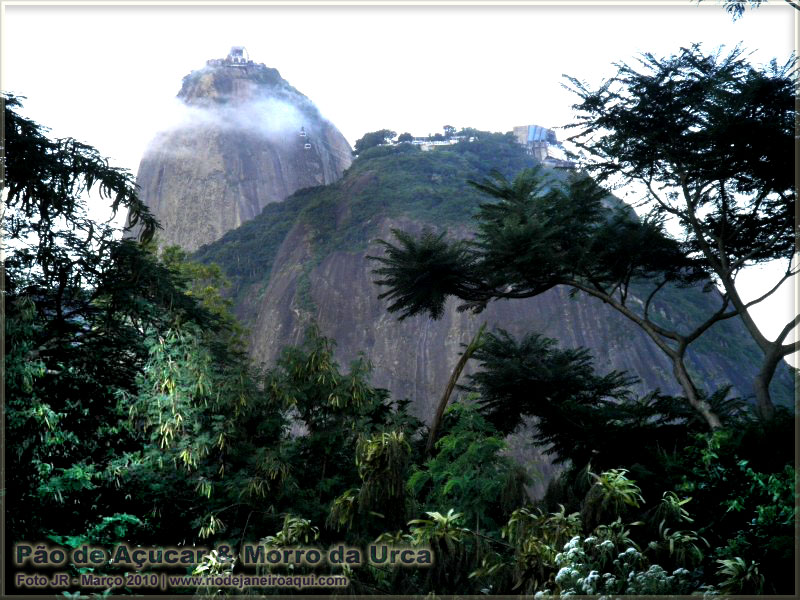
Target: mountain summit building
237,57
543,145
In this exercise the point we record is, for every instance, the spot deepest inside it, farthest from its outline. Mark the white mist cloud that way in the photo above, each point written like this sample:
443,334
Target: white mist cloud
271,118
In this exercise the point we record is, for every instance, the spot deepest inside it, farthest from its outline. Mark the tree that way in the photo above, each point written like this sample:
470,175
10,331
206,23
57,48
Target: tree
340,413
712,140
474,344
534,378
128,394
539,234
449,131
51,243
405,137
45,180
79,307
736,8
468,132
373,138
709,137
470,471
580,415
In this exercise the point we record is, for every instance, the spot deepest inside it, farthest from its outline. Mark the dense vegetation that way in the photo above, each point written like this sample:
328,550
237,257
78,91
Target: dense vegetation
384,180
431,188
133,414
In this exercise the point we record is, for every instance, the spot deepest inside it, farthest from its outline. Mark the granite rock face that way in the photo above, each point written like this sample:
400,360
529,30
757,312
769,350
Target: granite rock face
245,138
415,357
306,260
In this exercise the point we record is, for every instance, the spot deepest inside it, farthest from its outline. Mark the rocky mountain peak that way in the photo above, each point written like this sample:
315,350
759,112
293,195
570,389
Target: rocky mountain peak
244,138
236,79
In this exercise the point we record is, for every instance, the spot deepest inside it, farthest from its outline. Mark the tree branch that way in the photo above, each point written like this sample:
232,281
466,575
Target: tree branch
451,384
785,331
654,331
651,296
787,349
771,291
720,315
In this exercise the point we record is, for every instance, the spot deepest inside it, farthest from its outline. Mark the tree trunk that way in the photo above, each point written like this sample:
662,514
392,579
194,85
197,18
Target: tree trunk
451,384
682,375
761,385
660,337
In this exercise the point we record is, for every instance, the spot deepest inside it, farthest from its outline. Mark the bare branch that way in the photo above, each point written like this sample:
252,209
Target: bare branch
651,296
662,203
787,349
785,331
771,291
655,332
720,315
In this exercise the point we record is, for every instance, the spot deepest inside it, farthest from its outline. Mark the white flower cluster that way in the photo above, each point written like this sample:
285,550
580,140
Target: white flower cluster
656,581
582,561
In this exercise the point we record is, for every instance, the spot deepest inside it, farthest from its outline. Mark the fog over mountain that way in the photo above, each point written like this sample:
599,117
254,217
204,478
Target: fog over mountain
242,138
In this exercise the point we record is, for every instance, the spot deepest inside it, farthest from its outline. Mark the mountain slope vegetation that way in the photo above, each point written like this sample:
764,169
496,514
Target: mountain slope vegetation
402,186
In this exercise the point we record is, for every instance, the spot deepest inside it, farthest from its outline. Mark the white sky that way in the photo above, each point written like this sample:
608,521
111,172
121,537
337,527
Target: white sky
108,75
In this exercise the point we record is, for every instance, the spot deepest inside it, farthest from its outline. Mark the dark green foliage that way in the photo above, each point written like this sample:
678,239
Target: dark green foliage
381,501
534,378
489,151
738,489
680,545
372,139
383,460
380,151
455,548
712,139
710,127
336,413
133,414
580,417
64,427
73,333
744,487
74,325
127,391
470,471
149,374
423,273
594,424
45,180
538,234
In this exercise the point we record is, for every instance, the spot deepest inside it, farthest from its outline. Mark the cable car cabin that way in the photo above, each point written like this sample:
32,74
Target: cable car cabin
307,146
302,132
